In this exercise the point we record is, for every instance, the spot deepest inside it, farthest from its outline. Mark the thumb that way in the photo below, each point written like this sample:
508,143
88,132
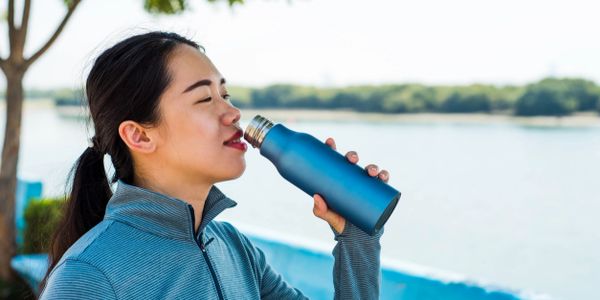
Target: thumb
323,212
320,207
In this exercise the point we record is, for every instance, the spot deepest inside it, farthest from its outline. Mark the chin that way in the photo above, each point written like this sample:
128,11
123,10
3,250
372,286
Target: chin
235,173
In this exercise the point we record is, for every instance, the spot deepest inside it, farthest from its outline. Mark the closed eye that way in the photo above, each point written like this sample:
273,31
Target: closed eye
226,97
204,100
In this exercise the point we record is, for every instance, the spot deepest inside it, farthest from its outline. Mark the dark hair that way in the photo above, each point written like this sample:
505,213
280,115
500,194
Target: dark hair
125,83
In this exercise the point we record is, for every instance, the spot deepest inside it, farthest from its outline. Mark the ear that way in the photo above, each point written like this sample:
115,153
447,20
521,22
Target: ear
136,137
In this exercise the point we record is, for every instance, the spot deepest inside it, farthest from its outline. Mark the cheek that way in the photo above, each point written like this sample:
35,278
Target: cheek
186,135
187,125
195,138
193,143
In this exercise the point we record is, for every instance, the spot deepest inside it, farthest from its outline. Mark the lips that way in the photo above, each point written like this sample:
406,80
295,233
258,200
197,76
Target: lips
235,142
235,137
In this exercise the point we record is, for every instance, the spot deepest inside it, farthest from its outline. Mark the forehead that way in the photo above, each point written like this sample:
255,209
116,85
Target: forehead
188,65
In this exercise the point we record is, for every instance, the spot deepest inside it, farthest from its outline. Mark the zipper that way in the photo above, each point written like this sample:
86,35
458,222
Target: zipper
205,254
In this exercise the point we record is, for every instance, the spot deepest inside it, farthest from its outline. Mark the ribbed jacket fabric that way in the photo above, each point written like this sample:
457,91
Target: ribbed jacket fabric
146,248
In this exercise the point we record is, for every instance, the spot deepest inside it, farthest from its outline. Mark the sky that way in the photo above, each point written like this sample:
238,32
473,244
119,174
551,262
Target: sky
338,42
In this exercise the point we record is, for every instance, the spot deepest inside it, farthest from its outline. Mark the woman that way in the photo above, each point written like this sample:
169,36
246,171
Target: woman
160,109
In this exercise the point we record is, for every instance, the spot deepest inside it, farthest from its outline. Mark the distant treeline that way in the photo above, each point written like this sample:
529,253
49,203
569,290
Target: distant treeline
550,96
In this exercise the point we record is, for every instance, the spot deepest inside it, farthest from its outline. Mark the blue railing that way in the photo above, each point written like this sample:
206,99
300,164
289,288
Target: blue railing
308,269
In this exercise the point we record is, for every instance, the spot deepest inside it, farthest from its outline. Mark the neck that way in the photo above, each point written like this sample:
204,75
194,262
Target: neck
194,193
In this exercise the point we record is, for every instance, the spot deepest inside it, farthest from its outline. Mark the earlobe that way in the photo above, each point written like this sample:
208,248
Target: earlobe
135,137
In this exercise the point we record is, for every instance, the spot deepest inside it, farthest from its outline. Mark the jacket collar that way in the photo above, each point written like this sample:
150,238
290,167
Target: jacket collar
161,214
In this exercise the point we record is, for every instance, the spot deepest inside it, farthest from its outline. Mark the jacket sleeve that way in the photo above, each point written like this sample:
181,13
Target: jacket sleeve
356,269
74,279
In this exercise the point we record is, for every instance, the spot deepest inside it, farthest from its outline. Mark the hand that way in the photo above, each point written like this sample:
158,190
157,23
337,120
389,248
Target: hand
322,211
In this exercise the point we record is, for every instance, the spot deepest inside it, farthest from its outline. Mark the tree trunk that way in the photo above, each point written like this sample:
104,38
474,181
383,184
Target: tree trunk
14,67
8,171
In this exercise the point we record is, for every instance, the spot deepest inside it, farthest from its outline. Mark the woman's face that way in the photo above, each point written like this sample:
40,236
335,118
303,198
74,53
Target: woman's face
196,119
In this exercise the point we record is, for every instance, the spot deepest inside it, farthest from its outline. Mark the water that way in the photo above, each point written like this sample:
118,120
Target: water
512,205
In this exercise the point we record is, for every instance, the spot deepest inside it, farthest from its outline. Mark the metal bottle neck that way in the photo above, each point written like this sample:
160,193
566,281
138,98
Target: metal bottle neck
257,130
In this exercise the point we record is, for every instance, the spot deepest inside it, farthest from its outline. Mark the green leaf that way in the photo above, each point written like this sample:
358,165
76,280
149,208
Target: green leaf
171,7
68,2
168,7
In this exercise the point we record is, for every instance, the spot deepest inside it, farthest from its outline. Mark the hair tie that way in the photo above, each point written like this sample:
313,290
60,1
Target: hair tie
95,147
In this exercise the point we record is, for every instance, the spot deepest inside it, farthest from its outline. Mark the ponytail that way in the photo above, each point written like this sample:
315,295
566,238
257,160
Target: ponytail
85,205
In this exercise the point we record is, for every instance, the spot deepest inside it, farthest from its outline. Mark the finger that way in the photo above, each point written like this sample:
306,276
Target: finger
331,142
372,170
384,175
352,156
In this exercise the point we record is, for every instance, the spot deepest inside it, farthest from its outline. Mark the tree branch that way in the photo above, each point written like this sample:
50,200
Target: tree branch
20,33
11,22
55,35
25,20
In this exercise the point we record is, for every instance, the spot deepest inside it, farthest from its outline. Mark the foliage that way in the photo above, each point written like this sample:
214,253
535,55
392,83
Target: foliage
165,6
170,7
547,97
558,97
41,218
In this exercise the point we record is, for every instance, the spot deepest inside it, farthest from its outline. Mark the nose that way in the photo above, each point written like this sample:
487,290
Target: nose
233,115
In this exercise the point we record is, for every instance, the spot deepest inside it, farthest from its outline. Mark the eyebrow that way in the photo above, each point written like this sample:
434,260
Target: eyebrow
200,83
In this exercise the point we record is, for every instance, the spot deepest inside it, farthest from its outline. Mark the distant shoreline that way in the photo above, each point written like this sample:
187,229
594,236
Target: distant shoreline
289,115
302,115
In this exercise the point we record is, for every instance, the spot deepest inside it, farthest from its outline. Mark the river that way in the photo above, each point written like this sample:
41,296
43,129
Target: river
516,205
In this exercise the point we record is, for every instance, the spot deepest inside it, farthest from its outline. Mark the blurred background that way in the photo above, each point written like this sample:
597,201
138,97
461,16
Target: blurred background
485,113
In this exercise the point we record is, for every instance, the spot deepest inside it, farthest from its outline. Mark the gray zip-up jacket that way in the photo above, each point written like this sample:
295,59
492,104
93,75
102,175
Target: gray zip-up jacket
146,248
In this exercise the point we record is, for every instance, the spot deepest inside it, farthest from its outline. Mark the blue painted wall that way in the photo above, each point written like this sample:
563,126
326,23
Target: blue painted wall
311,272
26,191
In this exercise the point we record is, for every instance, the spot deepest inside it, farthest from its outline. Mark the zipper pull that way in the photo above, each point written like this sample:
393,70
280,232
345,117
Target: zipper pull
202,246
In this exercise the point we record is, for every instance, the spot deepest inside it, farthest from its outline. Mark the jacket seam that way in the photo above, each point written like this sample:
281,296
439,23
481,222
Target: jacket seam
93,241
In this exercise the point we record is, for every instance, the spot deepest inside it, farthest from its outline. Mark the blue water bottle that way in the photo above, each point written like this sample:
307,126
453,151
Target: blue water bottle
315,168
